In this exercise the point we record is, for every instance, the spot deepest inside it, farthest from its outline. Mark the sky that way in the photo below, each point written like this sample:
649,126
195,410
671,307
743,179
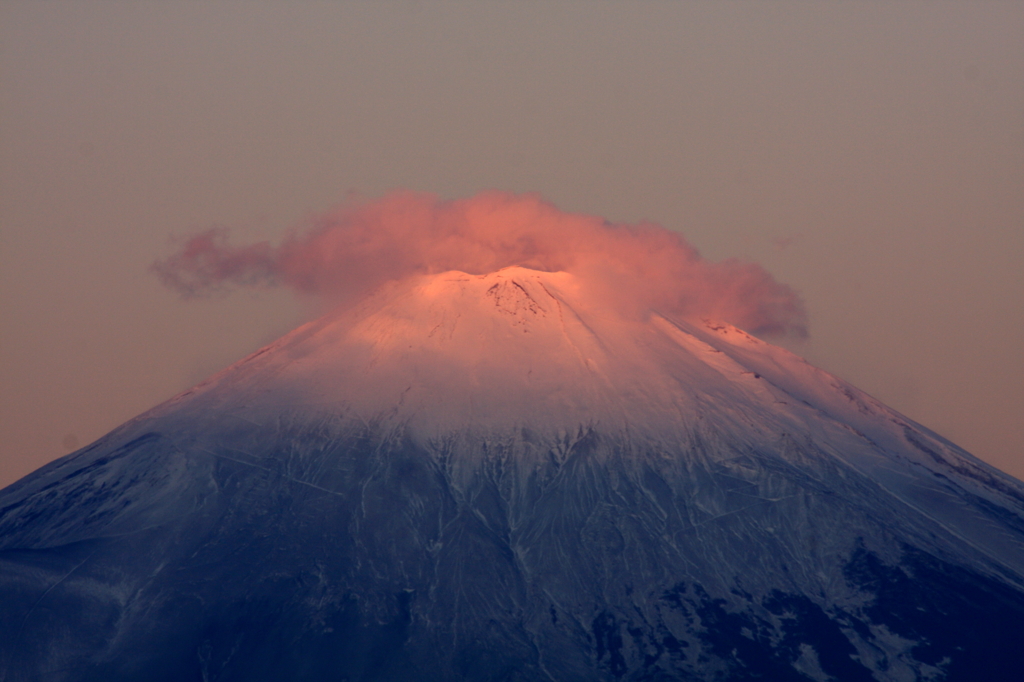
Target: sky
869,155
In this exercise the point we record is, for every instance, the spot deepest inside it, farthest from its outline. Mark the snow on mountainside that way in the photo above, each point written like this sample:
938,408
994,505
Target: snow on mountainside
502,477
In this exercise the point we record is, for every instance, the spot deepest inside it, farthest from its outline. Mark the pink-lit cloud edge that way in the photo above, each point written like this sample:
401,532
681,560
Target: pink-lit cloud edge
353,249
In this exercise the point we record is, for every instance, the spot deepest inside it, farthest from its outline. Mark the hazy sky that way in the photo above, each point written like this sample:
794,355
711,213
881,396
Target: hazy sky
870,155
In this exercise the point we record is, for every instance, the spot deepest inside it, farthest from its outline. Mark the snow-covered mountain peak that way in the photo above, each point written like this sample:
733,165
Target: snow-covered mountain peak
504,476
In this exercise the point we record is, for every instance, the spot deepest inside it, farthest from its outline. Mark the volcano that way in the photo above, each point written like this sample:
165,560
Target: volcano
505,477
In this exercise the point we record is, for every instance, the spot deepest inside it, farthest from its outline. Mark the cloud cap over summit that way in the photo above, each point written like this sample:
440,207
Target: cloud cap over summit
357,247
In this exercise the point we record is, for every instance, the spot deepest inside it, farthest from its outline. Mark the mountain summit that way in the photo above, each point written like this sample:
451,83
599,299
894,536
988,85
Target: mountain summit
514,476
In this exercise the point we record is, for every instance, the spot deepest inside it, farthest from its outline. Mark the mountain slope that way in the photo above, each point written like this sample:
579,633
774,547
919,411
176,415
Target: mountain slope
501,477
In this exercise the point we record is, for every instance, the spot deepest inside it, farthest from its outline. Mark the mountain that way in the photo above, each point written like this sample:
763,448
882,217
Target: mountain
505,477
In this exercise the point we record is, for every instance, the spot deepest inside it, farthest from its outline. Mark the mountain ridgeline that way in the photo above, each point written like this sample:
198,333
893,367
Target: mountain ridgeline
500,478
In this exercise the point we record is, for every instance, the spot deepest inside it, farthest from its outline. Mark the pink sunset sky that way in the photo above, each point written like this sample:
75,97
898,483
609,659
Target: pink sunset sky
863,161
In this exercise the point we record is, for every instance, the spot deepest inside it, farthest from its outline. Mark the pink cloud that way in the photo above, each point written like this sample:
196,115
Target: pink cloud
356,248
